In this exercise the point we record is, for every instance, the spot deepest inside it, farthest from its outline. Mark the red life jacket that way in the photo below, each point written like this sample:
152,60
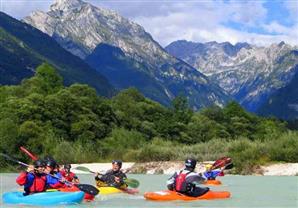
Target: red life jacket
68,176
39,184
180,180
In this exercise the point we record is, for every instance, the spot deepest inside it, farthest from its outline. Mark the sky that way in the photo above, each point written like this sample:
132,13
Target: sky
257,22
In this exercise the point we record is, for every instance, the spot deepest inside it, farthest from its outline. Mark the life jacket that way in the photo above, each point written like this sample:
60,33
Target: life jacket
68,176
180,181
39,184
32,182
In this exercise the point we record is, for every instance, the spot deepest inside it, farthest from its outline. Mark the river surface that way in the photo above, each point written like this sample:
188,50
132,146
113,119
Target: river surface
247,191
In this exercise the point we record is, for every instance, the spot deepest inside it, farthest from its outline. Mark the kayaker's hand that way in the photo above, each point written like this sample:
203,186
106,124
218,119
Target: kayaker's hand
63,180
117,179
30,169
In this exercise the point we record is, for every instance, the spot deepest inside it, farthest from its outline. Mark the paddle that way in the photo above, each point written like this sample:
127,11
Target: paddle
32,156
224,162
129,181
87,188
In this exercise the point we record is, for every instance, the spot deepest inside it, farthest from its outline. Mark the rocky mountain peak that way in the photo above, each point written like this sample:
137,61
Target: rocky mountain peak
65,5
80,27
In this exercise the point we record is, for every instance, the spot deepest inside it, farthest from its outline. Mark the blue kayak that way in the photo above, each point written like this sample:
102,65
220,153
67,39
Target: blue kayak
44,198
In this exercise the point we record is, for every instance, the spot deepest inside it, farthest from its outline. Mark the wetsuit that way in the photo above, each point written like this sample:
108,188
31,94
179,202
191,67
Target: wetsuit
108,179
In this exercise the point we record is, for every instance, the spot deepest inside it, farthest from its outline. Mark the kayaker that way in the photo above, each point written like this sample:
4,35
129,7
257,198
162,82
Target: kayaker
34,179
212,174
68,175
114,177
185,181
53,182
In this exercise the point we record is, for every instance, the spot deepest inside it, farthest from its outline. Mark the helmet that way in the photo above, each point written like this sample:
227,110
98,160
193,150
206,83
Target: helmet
208,166
38,163
190,163
67,166
118,162
51,163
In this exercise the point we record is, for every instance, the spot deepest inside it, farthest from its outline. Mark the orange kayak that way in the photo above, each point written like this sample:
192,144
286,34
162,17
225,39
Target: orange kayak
212,182
173,195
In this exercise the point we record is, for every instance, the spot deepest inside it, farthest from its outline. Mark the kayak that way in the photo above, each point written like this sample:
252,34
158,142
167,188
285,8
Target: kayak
108,190
44,198
87,197
112,190
212,182
173,195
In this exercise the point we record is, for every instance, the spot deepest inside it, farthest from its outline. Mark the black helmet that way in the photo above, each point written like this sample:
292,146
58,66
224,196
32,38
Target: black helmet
67,166
38,163
118,162
190,163
51,163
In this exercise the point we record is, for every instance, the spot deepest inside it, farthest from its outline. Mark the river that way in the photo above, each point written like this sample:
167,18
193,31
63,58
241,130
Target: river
247,191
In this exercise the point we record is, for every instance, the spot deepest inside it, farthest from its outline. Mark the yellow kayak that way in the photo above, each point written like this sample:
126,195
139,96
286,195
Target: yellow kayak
104,189
108,190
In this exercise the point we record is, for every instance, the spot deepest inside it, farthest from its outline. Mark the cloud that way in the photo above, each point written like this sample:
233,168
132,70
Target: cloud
292,7
194,20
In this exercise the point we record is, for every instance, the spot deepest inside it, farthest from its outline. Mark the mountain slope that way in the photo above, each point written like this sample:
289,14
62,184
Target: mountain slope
249,73
284,102
80,27
23,48
124,72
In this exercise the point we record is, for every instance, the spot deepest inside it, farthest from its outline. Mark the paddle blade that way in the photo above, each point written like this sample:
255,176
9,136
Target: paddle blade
221,162
132,182
229,166
31,155
82,168
87,188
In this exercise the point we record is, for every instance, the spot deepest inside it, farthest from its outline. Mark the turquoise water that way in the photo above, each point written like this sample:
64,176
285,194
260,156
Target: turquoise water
247,191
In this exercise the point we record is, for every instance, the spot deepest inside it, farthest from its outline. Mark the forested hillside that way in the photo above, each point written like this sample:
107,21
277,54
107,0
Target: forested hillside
74,124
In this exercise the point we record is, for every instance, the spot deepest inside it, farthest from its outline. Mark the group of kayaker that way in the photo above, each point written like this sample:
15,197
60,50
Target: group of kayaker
46,174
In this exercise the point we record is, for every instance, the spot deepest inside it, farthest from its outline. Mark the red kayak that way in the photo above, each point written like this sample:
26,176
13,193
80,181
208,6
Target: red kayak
173,195
87,197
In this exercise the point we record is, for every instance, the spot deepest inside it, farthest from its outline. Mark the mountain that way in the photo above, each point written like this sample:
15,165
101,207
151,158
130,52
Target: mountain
124,72
80,28
284,102
23,48
249,73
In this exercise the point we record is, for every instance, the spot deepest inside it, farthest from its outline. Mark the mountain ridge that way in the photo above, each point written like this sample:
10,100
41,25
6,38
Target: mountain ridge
29,47
249,73
80,27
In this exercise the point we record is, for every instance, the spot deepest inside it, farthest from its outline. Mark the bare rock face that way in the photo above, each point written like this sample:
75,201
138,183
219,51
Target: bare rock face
80,27
249,73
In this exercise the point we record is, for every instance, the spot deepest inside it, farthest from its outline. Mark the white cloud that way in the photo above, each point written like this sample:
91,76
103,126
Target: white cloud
292,6
194,20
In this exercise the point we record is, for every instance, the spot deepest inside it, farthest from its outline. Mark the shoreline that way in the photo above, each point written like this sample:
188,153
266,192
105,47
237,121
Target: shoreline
169,167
